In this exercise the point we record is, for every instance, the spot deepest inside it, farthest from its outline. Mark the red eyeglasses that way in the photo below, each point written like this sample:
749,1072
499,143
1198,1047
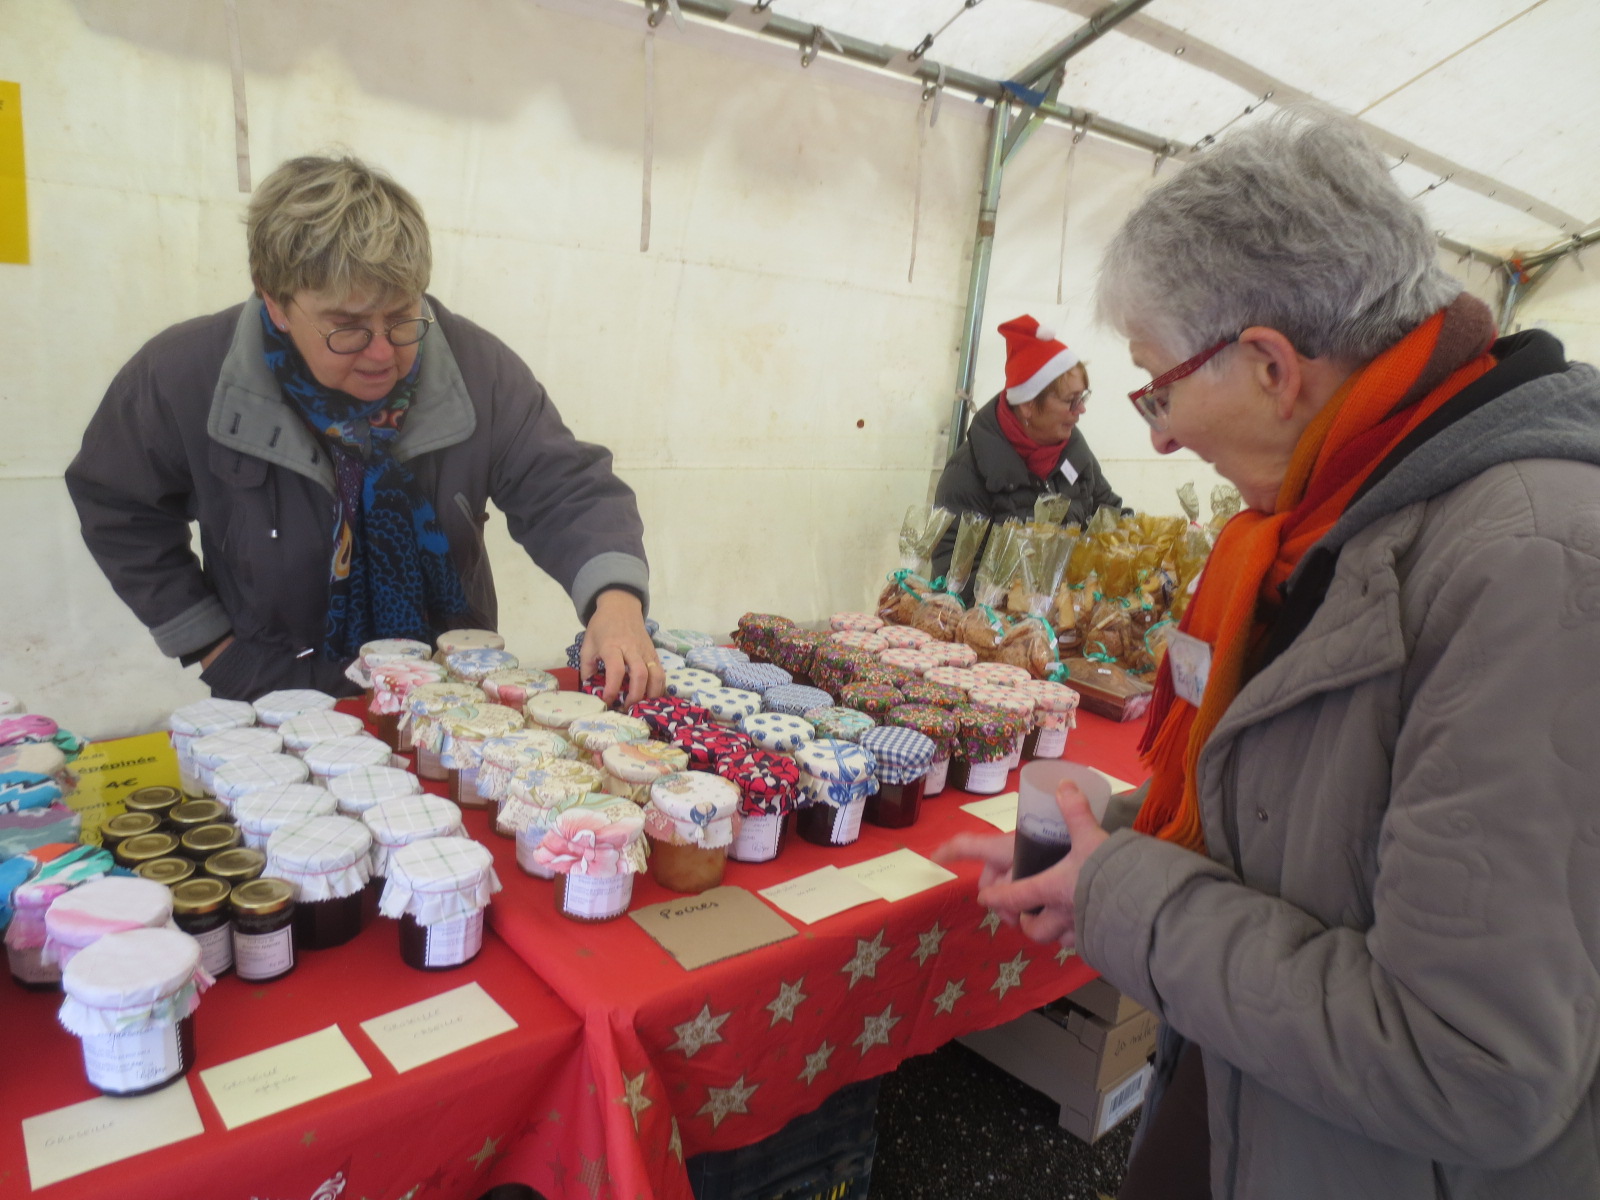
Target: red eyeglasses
1152,402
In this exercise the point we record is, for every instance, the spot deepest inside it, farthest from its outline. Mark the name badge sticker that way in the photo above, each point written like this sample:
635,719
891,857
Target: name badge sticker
1191,666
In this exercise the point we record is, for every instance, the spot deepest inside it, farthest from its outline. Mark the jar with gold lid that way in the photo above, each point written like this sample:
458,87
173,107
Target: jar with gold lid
118,829
147,847
262,912
200,909
166,871
194,813
236,866
158,801
200,844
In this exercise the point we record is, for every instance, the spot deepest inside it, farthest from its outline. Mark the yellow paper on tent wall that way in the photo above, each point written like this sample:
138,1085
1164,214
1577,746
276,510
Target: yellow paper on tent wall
108,771
13,180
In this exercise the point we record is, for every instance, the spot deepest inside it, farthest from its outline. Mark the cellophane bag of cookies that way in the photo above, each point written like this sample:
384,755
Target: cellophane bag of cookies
984,626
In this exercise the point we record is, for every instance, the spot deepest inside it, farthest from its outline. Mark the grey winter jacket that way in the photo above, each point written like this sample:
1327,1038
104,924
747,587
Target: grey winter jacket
195,429
986,475
1391,958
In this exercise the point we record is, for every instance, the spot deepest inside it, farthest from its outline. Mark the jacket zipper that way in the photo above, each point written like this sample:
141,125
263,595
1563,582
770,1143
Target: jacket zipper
1230,824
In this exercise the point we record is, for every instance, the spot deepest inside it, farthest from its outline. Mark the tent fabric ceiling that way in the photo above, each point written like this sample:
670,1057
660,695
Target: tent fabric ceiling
1504,88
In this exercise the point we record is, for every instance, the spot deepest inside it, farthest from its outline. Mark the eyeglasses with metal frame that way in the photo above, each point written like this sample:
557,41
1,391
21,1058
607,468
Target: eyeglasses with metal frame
354,339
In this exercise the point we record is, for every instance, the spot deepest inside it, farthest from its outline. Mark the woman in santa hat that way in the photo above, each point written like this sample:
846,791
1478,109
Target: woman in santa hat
1025,443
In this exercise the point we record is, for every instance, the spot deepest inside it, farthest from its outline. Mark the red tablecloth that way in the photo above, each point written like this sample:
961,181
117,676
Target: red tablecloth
689,1061
505,1109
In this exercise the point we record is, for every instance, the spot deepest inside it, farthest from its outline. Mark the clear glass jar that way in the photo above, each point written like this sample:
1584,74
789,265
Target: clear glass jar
200,909
442,946
263,934
686,868
761,838
982,778
591,899
896,805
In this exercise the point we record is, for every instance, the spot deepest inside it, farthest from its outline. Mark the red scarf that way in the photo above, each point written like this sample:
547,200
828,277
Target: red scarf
1257,552
1040,457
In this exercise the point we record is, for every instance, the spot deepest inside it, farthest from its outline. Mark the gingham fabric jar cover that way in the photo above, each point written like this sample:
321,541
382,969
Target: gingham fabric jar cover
777,731
253,773
557,710
302,732
793,699
714,658
210,752
263,813
755,677
438,879
692,808
683,682
903,755
275,708
339,755
358,790
396,823
323,858
728,706
187,725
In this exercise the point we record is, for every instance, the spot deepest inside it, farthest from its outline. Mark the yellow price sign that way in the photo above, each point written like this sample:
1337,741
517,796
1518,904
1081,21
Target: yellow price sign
108,771
13,178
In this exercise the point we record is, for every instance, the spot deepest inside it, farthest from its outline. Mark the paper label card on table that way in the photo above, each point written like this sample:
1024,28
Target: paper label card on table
438,1026
899,874
818,894
283,1076
1000,811
1117,785
713,925
81,1137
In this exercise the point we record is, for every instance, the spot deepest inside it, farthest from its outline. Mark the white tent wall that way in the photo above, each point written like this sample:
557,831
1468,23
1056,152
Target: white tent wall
1568,305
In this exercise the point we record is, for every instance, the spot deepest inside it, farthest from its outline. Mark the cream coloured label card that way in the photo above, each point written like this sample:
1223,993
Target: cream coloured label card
441,1025
81,1137
817,894
898,875
1000,811
283,1076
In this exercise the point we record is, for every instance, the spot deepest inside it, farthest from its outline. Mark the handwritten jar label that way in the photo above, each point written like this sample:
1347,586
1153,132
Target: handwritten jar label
128,1062
451,943
598,895
757,839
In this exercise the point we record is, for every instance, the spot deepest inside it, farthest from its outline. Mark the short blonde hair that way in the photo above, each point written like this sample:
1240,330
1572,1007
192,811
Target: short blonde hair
336,225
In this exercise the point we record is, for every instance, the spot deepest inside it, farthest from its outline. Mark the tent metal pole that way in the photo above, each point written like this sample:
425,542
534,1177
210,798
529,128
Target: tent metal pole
978,276
1079,40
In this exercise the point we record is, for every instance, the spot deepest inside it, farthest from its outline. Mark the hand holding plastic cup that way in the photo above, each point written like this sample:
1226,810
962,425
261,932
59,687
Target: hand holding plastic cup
1042,837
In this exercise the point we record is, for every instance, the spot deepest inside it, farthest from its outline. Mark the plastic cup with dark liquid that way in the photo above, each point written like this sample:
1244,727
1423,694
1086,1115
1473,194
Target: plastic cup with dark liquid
1042,838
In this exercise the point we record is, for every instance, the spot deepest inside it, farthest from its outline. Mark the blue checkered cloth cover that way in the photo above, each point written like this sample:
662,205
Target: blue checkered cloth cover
903,755
794,699
754,677
714,658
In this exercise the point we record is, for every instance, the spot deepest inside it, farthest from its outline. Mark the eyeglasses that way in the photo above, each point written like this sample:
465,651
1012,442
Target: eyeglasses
1152,402
1078,401
353,339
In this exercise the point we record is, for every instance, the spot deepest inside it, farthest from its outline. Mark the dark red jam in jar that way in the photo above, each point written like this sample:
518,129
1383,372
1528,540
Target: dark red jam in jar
442,946
263,937
896,805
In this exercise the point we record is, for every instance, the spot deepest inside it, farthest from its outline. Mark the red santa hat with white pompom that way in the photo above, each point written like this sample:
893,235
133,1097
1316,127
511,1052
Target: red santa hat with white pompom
1034,359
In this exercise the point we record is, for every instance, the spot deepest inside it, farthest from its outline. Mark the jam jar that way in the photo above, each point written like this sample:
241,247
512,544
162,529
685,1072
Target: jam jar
217,749
91,910
192,722
200,844
145,848
166,871
904,757
158,801
194,813
593,853
769,788
200,909
328,861
26,934
329,759
120,828
263,933
236,866
689,821
438,889
836,777
392,684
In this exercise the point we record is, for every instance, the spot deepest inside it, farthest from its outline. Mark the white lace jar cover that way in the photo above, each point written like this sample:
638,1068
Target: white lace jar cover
530,834
439,879
778,731
261,814
214,749
841,775
337,756
519,750
323,858
595,735
728,706
532,795
394,679
396,823
631,767
692,808
125,996
557,710
384,650
192,722
684,682
455,640
234,780
275,708
358,790
308,729
515,686
111,905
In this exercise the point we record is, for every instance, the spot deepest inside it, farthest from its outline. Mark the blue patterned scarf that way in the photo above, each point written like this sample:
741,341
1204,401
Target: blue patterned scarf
391,575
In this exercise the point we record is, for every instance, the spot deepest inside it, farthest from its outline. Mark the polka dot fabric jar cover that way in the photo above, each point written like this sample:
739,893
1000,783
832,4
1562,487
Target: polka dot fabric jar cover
684,682
778,731
728,706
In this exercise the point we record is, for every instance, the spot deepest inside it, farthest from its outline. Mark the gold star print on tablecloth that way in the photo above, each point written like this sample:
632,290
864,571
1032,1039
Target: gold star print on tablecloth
816,1063
724,1102
308,1137
928,944
945,1002
491,1147
1065,953
592,1173
675,1142
694,1036
1010,975
789,998
875,1030
991,923
633,1096
865,963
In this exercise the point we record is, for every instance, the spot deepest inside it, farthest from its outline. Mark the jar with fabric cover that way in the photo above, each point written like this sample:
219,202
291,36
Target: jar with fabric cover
157,801
960,678
396,823
1014,701
393,682
839,724
835,664
705,744
794,700
836,777
200,909
795,652
273,709
358,790
474,666
26,933
384,650
681,641
683,682
461,733
873,699
844,622
755,677
454,640
437,889
769,789
192,722
199,844
236,866
327,860
983,746
1055,716
426,702
557,710
338,756
757,634
593,854
904,637
935,695
918,662
952,654
131,999
301,733
261,814
262,912
1002,674
533,796
91,910
132,853
777,732
234,780
631,767
539,812
521,749
666,715
168,870
715,659
217,749
904,757
689,822
515,686
728,706
593,736
859,639
123,826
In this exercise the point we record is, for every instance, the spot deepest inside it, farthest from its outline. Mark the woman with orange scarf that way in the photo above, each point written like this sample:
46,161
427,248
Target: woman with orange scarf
1362,886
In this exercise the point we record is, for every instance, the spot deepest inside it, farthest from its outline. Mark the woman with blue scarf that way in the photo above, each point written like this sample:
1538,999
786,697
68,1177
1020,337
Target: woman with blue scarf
338,439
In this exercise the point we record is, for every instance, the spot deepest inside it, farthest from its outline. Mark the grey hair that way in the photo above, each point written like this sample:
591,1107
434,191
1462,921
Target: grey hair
1294,224
337,225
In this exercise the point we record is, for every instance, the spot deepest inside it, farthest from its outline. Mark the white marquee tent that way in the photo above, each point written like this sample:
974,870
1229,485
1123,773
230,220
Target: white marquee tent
705,249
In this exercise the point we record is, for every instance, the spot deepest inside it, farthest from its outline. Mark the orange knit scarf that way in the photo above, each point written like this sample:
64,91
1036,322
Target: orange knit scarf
1257,552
